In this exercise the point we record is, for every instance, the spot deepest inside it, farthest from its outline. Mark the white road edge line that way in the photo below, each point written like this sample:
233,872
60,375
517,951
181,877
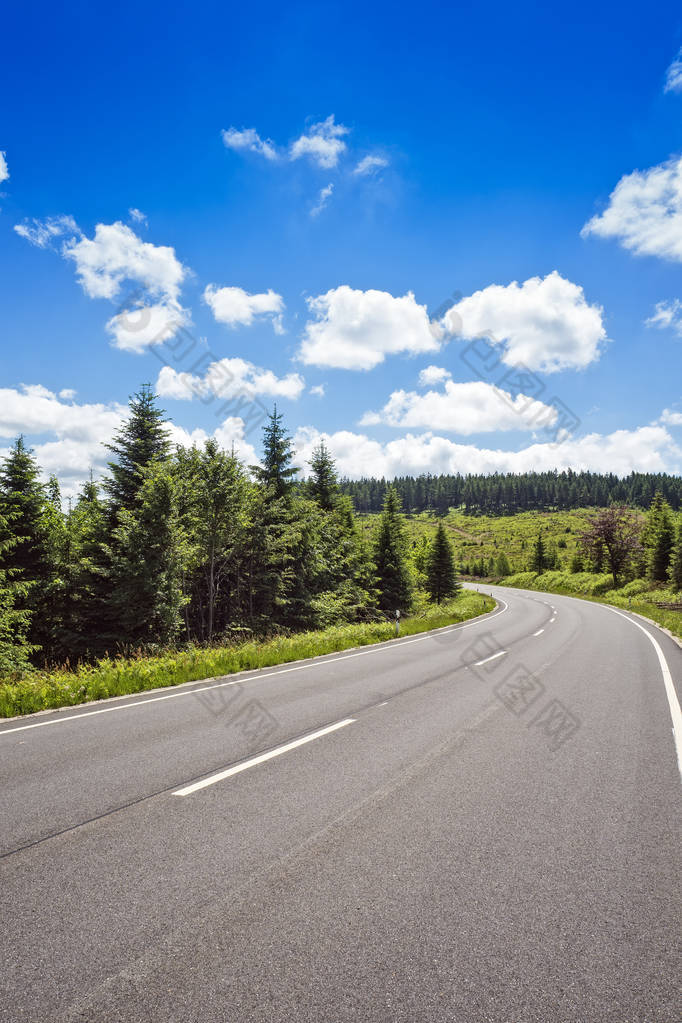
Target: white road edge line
491,658
238,768
539,632
673,702
182,691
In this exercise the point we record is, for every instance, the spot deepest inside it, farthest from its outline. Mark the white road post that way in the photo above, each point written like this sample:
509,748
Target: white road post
397,623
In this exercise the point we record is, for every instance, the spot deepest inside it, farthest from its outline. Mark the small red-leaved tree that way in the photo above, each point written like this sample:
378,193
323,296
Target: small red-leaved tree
615,530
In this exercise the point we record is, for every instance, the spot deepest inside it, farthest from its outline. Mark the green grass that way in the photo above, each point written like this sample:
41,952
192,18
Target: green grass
481,536
639,595
123,676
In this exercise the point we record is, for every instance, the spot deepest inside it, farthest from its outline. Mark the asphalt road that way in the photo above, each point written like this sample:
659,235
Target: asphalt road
480,824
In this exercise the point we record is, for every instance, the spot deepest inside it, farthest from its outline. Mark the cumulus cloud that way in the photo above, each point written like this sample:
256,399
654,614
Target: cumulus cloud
4,169
318,390
323,143
433,375
105,262
463,408
230,434
673,77
248,140
137,215
116,254
370,165
667,314
545,323
671,418
357,329
228,378
75,434
79,431
136,328
322,200
645,212
237,308
646,449
42,232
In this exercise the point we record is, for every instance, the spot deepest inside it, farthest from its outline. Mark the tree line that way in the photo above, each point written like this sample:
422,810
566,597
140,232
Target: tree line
507,494
181,545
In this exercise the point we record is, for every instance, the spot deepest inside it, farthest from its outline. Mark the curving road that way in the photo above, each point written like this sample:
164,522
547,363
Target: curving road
478,824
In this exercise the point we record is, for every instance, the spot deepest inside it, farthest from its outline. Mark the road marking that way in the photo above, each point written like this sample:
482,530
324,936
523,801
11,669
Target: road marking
673,702
539,632
238,768
491,658
311,663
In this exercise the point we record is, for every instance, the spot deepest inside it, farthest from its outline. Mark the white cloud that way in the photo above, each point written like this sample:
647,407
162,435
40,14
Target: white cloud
356,329
67,393
463,408
42,232
646,449
673,77
370,165
667,314
137,215
322,200
4,169
229,378
433,375
670,418
117,254
248,140
236,307
645,212
544,323
230,434
79,431
323,144
318,390
135,329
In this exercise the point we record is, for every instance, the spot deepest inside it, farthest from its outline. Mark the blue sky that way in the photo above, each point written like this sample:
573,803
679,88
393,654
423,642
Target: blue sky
326,205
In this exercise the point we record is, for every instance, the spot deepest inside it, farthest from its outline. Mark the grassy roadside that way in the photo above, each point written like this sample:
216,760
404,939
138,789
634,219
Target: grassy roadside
123,676
638,595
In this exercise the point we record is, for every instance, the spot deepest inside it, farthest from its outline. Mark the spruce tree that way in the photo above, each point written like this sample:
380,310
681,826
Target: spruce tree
141,441
393,574
27,557
675,570
323,485
502,566
15,648
146,564
538,561
276,472
441,580
659,538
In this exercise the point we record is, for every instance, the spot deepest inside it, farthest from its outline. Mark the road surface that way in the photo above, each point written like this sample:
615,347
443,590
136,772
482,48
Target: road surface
479,824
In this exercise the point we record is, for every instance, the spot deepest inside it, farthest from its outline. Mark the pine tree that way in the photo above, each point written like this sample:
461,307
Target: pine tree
675,570
440,568
141,441
659,538
393,574
323,485
276,472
